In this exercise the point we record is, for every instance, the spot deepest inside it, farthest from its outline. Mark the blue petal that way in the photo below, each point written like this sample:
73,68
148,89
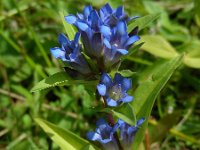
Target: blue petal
120,122
81,25
107,9
105,79
58,53
118,78
94,18
104,141
131,40
101,89
62,39
121,28
127,99
119,11
93,136
140,121
105,30
122,51
111,102
126,84
71,19
107,43
87,10
72,57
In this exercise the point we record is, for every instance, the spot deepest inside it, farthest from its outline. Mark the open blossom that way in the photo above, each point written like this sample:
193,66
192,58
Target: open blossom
69,52
114,92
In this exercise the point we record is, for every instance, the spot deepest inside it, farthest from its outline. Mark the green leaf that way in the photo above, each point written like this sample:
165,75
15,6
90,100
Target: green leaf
126,73
192,57
125,113
142,22
192,62
59,79
158,46
151,82
64,138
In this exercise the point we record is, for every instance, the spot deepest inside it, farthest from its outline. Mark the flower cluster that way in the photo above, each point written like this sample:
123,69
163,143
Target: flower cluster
104,37
107,135
105,40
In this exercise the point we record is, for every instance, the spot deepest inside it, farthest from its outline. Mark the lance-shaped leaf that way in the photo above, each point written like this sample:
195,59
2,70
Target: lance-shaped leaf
142,22
158,46
64,138
151,82
59,79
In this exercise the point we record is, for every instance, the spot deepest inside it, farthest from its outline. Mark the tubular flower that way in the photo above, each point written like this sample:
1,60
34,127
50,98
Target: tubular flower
111,17
89,24
69,52
117,43
114,92
104,134
128,132
104,34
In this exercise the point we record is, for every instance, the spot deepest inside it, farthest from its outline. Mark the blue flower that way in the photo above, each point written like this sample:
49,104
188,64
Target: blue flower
69,52
111,16
114,92
106,16
117,43
104,134
89,24
104,34
128,132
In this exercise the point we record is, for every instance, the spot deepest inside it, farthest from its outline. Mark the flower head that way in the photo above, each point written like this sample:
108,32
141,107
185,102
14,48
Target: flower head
70,52
104,34
104,134
114,92
128,132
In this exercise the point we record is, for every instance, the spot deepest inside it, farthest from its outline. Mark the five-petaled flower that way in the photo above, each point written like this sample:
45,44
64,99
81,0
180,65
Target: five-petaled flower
70,52
114,92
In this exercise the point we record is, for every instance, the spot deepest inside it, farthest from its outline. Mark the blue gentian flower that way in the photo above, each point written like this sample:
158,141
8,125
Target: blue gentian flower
89,24
117,43
111,16
114,92
104,34
128,132
104,134
69,52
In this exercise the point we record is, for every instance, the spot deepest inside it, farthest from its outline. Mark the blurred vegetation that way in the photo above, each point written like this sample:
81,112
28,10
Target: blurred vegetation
29,28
